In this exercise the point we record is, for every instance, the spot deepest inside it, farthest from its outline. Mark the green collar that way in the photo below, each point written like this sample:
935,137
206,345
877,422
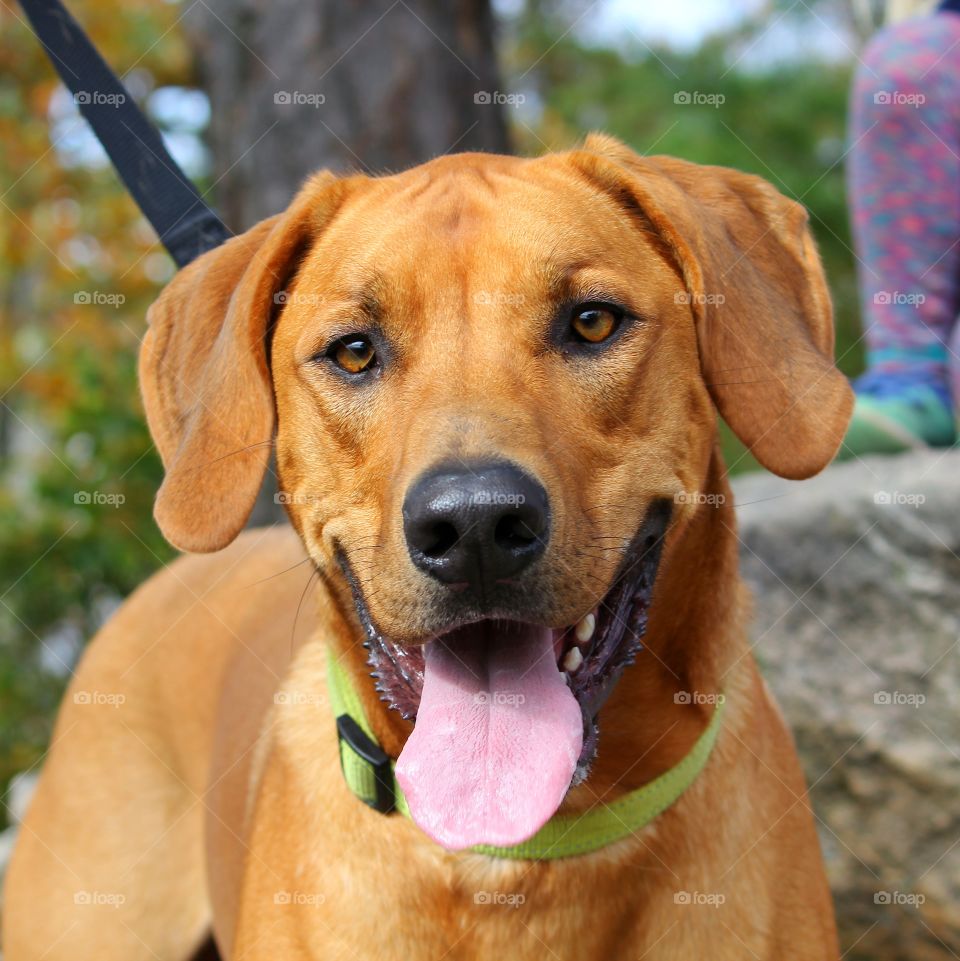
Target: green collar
369,775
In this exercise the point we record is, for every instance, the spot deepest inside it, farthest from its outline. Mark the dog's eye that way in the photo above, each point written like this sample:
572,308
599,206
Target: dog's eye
353,353
593,323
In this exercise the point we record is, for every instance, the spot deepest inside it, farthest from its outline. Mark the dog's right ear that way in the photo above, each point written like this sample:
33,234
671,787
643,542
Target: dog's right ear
205,376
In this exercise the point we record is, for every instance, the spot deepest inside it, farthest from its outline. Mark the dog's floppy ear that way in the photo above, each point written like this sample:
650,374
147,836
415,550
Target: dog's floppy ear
758,294
205,377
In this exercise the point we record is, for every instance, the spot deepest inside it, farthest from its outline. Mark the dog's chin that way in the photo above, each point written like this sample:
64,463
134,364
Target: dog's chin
589,655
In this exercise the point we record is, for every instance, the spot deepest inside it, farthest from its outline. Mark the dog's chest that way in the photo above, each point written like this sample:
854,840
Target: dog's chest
519,911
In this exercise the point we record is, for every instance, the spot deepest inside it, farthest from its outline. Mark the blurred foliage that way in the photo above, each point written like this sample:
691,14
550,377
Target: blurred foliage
71,420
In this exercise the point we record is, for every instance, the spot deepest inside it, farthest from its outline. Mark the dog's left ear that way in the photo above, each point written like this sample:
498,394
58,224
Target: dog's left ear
205,376
758,294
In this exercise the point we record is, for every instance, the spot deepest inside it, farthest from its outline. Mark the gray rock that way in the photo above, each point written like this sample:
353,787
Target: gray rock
856,583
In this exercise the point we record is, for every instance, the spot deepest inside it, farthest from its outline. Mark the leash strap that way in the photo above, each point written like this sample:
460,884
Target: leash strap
369,775
187,227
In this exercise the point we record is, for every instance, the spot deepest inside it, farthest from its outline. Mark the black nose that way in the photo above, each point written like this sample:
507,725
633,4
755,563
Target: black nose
476,525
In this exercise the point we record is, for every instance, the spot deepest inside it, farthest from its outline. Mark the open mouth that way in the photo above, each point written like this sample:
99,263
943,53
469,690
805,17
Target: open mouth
506,711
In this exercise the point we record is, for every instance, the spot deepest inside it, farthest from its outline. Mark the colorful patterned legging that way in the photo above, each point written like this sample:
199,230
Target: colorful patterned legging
904,187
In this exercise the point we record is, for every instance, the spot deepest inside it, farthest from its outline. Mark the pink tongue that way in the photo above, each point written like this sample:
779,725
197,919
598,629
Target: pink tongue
497,737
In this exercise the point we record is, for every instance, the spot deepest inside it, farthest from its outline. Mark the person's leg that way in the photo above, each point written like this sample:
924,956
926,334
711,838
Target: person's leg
904,189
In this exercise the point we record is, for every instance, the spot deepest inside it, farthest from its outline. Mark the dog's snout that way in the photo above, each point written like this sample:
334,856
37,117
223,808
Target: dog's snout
476,525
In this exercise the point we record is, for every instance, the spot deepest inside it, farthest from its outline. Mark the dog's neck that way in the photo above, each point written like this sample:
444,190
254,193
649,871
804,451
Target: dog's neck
663,701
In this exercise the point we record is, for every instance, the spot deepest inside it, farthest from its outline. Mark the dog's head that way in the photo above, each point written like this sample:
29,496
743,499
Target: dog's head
491,383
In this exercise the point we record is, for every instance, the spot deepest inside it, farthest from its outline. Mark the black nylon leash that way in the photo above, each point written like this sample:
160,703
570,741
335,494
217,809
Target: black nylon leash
185,224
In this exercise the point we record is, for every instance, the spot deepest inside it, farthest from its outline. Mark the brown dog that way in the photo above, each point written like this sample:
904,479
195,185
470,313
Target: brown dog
492,387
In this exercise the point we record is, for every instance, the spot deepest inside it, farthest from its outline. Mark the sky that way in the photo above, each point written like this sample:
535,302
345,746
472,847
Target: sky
680,23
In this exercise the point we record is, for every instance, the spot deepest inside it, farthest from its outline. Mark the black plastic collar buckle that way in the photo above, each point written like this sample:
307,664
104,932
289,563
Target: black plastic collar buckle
349,731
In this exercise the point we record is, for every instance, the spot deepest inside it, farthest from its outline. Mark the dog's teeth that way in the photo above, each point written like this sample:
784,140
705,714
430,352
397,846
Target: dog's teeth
572,660
585,628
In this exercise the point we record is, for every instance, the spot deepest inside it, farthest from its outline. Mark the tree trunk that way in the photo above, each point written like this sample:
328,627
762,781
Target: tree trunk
296,86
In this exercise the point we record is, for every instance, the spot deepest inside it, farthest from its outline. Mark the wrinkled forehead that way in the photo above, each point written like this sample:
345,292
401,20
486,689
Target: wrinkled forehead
483,226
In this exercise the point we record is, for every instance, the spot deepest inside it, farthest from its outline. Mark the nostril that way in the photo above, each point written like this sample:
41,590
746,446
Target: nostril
438,539
513,532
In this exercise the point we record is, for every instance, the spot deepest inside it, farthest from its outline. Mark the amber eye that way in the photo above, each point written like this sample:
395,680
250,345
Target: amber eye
353,353
594,323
